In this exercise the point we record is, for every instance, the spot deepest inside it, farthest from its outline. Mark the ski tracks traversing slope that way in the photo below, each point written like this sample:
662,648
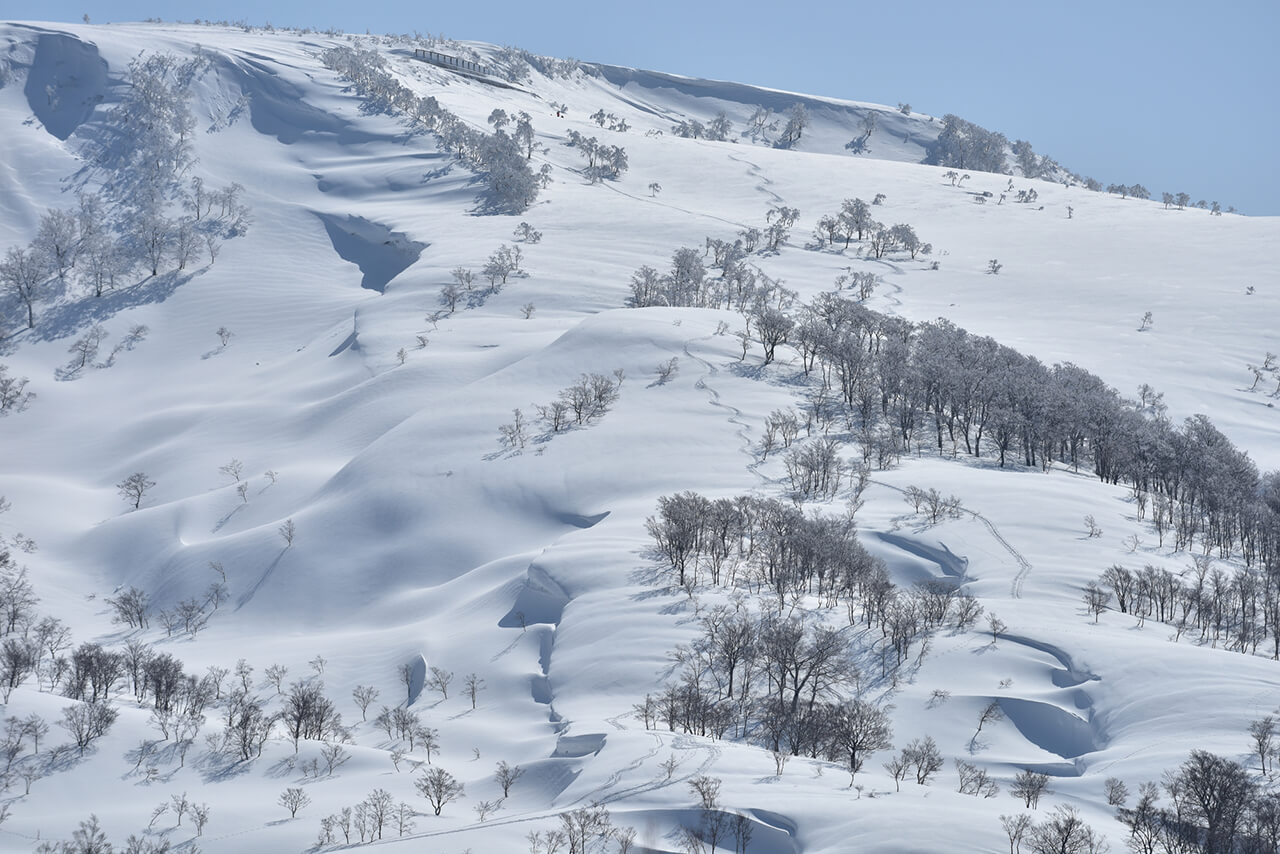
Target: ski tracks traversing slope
1024,565
735,416
754,171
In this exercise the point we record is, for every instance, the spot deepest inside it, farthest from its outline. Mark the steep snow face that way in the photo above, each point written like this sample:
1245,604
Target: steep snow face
335,456
65,81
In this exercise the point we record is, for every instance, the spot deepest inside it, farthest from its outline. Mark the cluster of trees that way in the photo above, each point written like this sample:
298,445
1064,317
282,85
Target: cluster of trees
149,211
1182,200
774,678
500,158
715,825
609,121
739,287
604,161
1239,610
908,386
90,838
506,261
369,819
719,129
588,399
965,145
1137,191
586,830
1215,807
517,63
854,222
1032,166
761,543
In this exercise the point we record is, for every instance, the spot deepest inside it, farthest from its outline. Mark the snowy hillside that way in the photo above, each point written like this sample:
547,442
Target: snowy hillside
296,450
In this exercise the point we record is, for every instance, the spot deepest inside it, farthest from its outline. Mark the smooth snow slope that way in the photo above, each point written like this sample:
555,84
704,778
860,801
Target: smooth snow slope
418,536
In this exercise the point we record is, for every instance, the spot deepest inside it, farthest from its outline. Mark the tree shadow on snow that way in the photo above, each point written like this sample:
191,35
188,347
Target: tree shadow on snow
65,319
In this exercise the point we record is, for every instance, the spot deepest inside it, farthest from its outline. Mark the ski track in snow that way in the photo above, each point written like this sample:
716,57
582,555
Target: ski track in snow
1024,565
754,171
305,149
735,416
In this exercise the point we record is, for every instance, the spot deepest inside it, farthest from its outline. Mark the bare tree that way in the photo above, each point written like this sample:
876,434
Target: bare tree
364,695
975,780
287,532
1016,827
294,799
858,728
473,685
200,815
134,487
88,721
1029,785
275,676
924,758
1095,599
233,469
1064,832
506,775
439,787
991,713
439,680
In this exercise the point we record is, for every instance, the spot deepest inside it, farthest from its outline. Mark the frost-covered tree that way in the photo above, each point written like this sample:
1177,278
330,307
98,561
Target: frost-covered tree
1026,158
23,273
720,128
57,239
797,121
965,145
13,394
855,219
780,220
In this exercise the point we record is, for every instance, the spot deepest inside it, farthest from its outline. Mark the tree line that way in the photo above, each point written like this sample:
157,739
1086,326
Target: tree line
501,158
900,387
149,210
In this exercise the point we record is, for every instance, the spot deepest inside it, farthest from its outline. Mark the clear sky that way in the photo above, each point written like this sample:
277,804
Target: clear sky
1176,95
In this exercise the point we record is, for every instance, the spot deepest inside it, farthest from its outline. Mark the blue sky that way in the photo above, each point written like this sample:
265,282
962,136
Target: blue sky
1179,99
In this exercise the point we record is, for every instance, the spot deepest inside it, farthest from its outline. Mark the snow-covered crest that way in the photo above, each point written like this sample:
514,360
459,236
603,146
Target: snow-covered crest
332,500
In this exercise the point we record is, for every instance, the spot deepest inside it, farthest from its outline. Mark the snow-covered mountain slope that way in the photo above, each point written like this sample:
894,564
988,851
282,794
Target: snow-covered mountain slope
415,538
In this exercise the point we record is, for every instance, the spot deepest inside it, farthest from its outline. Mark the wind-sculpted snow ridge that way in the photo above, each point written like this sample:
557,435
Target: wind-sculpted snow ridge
267,486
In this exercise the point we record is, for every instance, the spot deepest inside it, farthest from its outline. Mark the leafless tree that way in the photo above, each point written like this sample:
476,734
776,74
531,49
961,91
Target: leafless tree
364,695
294,799
506,775
1095,599
1029,785
1064,832
1015,827
134,487
200,815
233,469
473,685
439,787
991,713
439,680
